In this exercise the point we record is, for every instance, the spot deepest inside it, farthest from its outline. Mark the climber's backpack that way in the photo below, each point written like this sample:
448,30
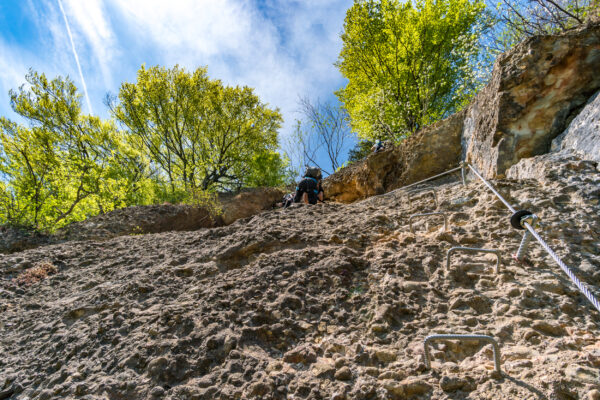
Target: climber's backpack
288,200
313,172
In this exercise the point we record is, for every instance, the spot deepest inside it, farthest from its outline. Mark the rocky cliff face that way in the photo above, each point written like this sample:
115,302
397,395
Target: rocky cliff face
334,301
577,149
435,149
582,137
534,93
147,219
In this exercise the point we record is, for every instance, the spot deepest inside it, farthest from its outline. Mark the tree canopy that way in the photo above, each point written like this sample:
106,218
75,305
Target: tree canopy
409,63
199,133
185,136
65,165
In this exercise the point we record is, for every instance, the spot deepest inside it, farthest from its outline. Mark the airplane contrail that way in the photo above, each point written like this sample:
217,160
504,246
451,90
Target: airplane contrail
87,97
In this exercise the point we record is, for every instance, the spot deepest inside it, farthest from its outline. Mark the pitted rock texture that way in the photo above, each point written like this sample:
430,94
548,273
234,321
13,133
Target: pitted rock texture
147,219
533,91
14,239
546,168
330,301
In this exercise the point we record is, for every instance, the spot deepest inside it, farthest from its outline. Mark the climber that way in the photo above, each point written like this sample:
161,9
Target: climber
377,147
309,189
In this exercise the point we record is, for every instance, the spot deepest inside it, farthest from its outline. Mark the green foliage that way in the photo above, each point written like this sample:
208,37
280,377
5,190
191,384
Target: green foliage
408,64
267,169
361,150
65,165
187,137
205,199
198,133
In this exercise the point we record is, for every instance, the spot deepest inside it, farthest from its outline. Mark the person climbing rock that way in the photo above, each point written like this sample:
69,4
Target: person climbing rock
309,189
377,147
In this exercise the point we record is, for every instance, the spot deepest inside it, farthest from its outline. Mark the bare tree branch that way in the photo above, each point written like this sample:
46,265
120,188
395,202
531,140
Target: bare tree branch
328,129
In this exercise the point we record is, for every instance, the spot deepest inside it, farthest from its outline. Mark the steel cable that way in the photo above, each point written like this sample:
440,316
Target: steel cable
489,185
582,287
412,184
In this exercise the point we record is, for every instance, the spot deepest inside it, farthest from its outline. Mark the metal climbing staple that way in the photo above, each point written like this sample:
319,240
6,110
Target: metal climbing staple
412,195
481,338
426,215
473,250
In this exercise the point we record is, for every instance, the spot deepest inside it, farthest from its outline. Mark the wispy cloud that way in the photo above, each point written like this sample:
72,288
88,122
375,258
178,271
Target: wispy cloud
87,97
12,73
92,21
283,49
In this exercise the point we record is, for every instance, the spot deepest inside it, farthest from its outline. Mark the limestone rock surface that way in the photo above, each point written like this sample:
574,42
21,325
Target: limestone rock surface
247,203
431,151
147,219
534,90
339,309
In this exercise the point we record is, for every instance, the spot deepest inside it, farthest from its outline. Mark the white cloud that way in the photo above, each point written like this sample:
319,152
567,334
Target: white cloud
282,50
12,75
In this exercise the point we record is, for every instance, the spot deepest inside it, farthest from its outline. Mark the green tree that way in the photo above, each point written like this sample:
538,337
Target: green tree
361,150
199,133
65,165
409,63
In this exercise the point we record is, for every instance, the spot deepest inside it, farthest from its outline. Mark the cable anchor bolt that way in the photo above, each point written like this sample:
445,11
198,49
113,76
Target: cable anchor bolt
532,220
463,172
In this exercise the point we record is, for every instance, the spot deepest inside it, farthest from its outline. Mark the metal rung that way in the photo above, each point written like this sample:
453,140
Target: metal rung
413,195
473,250
481,338
425,215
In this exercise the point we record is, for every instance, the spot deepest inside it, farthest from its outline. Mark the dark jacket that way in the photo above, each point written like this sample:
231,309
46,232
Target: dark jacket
311,187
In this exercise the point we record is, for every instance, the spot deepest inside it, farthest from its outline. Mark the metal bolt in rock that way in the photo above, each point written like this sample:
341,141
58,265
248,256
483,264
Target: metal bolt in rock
532,220
425,215
413,195
481,338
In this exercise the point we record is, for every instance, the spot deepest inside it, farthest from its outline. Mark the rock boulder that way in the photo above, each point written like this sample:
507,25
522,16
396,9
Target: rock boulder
248,203
430,151
534,90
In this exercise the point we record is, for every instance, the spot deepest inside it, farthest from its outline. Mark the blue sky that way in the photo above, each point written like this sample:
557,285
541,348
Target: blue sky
283,49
